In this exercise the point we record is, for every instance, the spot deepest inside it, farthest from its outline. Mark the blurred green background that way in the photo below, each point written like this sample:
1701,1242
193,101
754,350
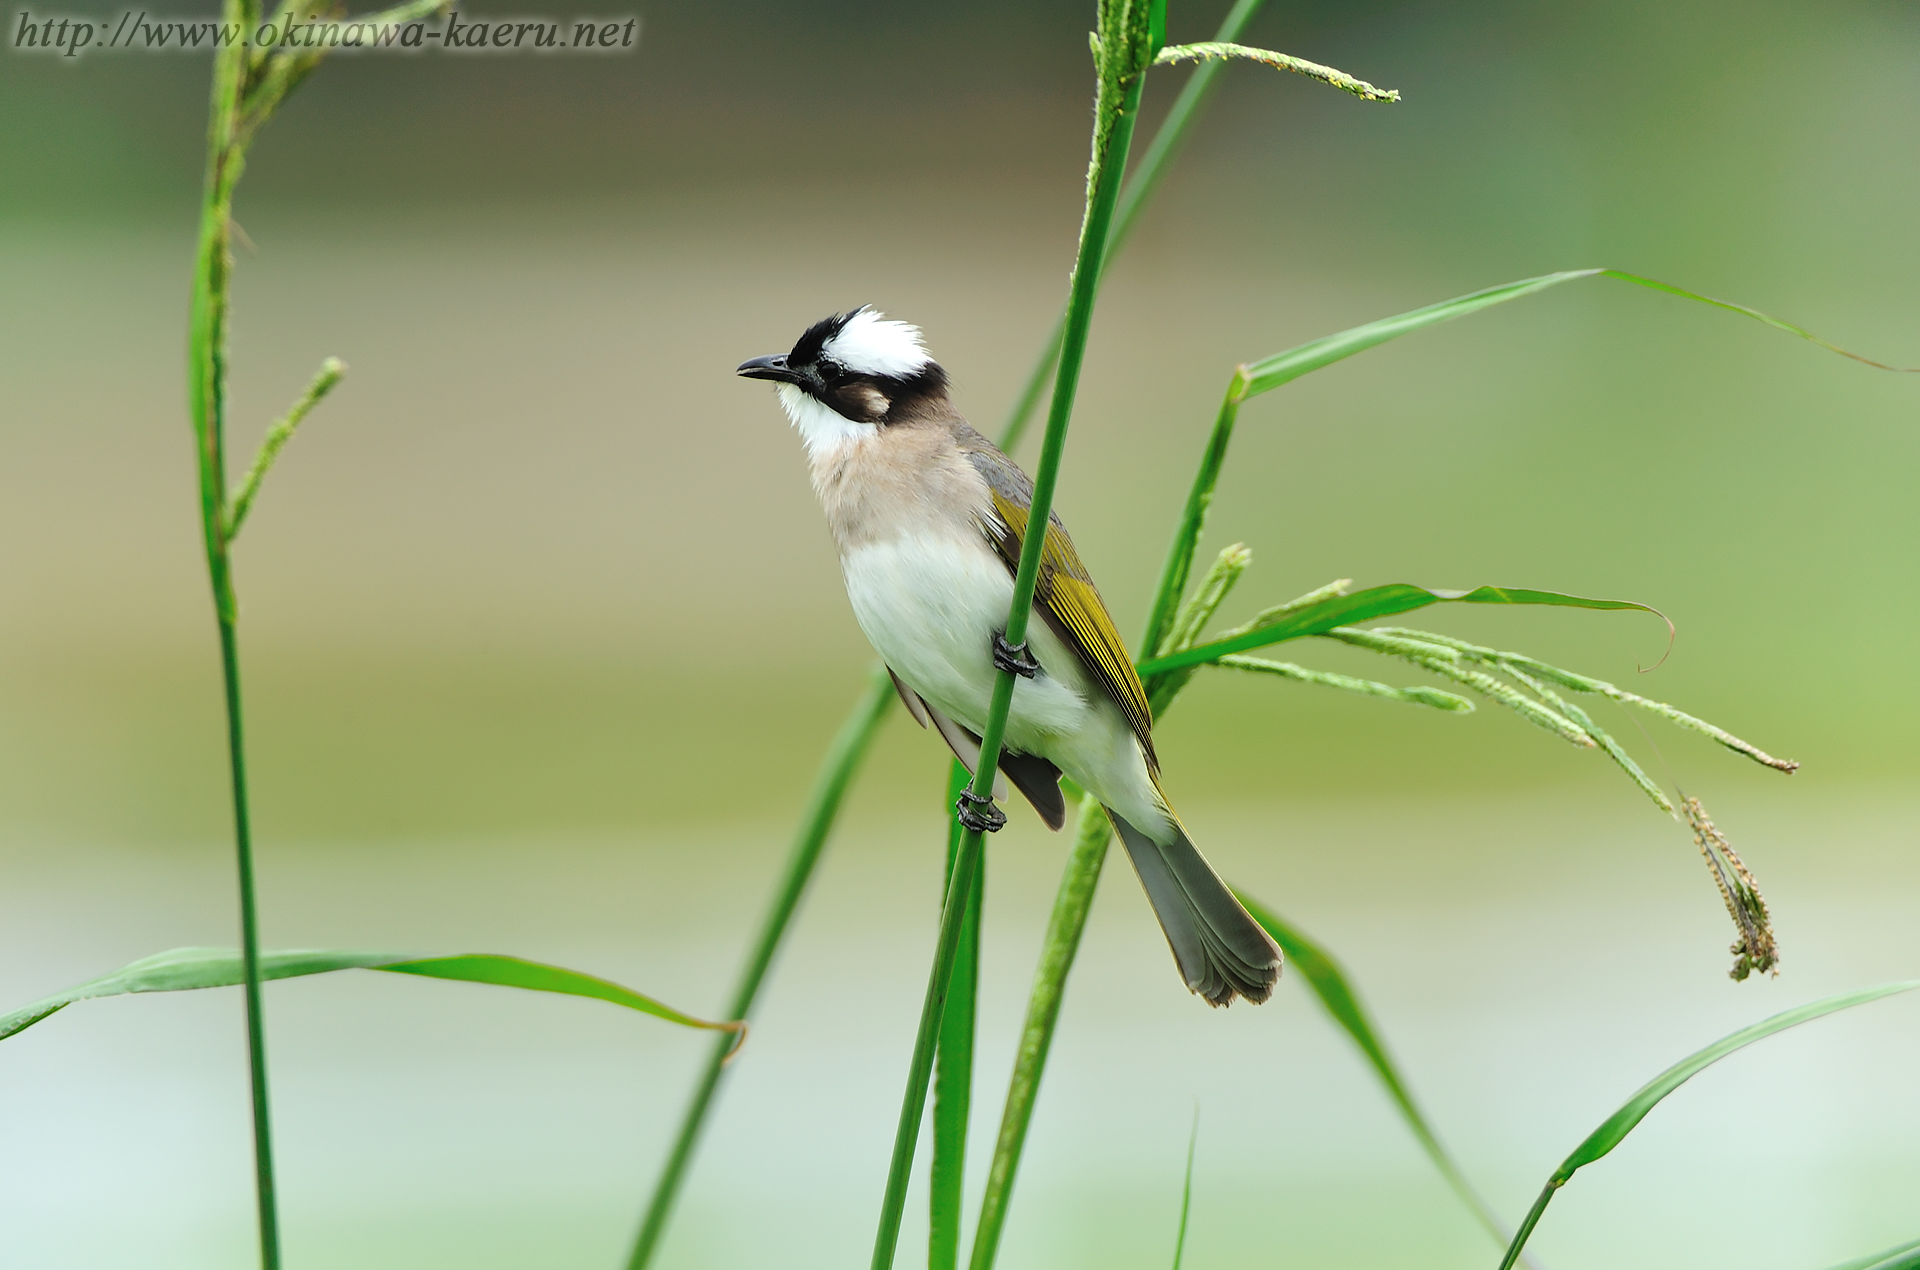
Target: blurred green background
544,636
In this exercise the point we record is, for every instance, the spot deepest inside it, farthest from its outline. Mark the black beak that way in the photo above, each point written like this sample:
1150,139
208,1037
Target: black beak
774,368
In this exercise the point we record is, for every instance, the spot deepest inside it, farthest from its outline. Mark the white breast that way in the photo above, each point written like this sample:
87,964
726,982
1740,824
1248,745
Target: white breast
930,606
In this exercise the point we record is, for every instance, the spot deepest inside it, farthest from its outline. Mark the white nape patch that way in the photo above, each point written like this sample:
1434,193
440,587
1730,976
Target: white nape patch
871,344
821,427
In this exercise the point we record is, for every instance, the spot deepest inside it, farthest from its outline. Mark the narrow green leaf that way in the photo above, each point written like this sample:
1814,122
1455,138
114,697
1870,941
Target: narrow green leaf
1329,983
536,976
1186,1193
1614,1129
182,969
1270,372
1362,606
838,768
1906,1256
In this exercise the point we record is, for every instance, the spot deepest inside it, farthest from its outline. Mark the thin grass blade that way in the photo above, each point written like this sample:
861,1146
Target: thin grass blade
1615,1128
1186,1193
1271,372
185,969
1283,368
1905,1256
837,770
1329,983
1362,606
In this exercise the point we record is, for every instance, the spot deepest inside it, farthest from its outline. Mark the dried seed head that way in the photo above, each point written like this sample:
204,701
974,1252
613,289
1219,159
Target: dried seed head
1755,949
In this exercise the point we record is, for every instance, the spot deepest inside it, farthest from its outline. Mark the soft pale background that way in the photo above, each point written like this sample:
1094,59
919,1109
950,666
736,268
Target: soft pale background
543,635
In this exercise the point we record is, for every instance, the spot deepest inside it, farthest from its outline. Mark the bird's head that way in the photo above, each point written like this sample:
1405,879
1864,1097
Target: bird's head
850,375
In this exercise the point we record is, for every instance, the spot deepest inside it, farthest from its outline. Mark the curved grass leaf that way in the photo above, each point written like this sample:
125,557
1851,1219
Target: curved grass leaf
181,969
1329,983
1362,606
1270,372
1253,378
1614,1129
1904,1256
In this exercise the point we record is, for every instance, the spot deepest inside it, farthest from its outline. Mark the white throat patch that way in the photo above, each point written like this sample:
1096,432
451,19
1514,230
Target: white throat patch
823,429
871,344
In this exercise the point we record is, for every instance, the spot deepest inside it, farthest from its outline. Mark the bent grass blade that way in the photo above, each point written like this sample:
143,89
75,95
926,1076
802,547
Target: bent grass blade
837,770
1904,1256
1615,1128
185,969
1329,983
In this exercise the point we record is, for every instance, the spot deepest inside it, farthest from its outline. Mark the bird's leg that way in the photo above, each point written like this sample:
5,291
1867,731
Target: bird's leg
977,812
1014,657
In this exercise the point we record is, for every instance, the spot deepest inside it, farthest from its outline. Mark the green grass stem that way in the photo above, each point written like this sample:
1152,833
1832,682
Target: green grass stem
953,1062
206,380
1125,47
837,770
1155,160
248,86
1329,983
953,914
1068,922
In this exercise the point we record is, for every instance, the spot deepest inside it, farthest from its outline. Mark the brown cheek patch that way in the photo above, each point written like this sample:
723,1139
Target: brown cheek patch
865,401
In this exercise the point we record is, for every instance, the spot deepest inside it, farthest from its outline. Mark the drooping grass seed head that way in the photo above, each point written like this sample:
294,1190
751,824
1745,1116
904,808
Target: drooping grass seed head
850,375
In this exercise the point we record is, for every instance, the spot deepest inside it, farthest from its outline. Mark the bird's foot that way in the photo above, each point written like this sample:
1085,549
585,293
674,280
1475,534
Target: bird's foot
1013,657
977,812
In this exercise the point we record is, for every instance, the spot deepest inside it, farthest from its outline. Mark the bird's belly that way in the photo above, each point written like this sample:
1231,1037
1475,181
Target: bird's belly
930,607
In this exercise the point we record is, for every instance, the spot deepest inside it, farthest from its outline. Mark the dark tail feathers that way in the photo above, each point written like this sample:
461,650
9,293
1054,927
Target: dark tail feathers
1219,948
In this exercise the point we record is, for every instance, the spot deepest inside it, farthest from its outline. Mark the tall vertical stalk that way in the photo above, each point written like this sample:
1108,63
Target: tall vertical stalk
249,84
206,379
953,1064
1154,162
1125,46
1082,875
1064,928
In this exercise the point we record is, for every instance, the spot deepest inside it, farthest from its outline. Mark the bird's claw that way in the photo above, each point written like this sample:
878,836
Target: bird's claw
977,812
1013,657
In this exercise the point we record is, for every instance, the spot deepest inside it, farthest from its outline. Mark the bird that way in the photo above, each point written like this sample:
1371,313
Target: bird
929,518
